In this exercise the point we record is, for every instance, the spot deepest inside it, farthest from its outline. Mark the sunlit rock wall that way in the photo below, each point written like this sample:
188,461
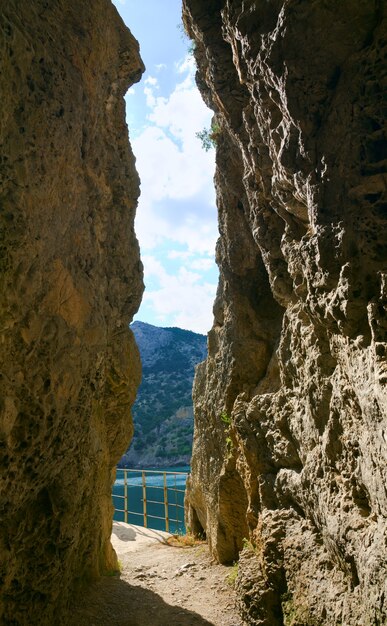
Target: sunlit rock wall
71,280
289,459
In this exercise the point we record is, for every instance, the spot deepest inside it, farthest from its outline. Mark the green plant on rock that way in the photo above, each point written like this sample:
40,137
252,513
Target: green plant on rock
295,613
185,37
183,33
209,136
232,576
248,545
288,610
226,419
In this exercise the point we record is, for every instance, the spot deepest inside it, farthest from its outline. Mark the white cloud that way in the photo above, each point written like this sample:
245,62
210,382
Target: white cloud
154,266
187,64
179,254
177,203
150,99
173,168
160,66
183,113
180,300
170,171
202,264
151,80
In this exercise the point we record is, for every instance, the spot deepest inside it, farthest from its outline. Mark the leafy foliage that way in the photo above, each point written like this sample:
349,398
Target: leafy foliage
209,136
232,576
226,419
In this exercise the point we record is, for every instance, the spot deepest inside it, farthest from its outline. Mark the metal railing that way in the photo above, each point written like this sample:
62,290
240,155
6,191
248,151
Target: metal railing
150,498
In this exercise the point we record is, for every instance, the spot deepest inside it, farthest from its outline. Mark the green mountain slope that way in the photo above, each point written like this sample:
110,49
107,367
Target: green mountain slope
162,413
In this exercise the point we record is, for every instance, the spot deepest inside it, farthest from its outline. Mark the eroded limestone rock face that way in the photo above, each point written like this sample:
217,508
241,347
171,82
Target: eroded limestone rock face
291,425
71,280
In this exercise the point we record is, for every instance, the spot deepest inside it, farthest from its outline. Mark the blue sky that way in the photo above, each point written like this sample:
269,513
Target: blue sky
176,217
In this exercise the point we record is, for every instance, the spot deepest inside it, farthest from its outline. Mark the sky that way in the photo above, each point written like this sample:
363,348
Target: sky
176,220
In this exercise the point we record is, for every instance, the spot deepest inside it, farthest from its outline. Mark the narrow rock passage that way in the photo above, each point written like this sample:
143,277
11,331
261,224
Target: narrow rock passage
161,584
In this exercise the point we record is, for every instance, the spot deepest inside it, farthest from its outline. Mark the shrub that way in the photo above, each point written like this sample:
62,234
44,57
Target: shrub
209,136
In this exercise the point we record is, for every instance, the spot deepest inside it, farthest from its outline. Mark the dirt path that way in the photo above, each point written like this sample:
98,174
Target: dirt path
160,585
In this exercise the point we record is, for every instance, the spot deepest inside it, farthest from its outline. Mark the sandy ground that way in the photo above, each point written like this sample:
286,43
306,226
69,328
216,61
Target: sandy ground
160,585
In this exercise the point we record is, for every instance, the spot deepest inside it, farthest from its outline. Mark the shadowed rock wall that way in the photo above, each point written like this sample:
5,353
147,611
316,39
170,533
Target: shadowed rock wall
71,281
290,406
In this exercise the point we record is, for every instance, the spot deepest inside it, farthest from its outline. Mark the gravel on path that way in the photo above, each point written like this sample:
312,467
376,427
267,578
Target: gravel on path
163,582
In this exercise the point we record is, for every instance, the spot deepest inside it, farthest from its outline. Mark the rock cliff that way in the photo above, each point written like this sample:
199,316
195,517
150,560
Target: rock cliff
289,460
71,280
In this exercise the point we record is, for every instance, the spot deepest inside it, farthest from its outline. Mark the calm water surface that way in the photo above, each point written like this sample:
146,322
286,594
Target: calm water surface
156,509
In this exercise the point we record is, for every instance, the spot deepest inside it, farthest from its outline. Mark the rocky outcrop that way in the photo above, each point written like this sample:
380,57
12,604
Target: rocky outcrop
289,460
71,280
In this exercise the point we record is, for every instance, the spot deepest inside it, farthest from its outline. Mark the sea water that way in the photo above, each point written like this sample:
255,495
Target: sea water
155,505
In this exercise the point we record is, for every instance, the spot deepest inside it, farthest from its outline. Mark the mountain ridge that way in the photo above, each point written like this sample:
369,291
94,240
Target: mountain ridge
163,411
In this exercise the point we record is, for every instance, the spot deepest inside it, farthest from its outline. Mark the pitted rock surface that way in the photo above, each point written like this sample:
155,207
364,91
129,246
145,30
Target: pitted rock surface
290,406
71,281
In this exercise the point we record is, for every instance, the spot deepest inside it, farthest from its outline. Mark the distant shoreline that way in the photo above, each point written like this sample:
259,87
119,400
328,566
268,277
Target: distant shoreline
158,468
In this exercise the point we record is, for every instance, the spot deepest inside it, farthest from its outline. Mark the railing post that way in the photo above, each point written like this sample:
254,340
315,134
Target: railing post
176,507
166,503
125,496
144,499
